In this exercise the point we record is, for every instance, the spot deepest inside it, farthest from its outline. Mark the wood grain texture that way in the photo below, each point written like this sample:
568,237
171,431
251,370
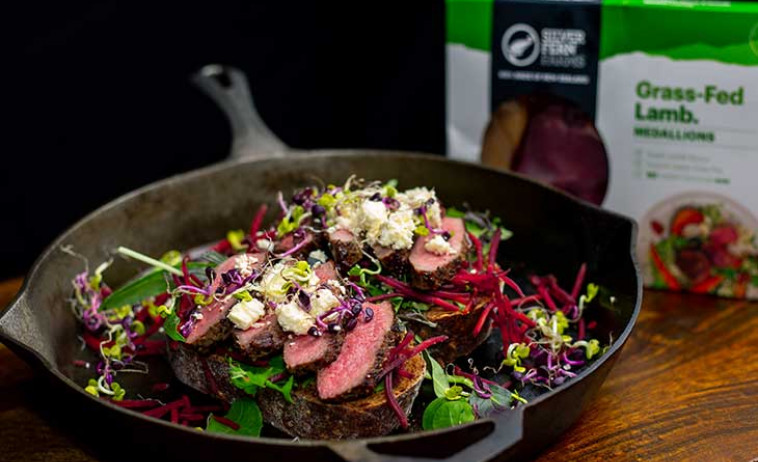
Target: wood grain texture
685,388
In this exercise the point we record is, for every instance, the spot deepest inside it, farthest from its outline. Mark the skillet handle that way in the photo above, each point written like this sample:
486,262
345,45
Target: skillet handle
228,88
19,331
495,437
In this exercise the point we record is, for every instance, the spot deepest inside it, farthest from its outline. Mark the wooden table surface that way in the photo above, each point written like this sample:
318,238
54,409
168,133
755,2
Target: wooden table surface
684,389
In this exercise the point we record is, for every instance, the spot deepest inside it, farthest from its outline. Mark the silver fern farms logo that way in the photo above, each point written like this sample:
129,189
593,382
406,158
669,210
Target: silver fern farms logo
521,45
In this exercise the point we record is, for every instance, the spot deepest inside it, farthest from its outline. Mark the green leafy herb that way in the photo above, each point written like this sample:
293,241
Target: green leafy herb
439,376
251,378
443,413
151,284
245,413
171,327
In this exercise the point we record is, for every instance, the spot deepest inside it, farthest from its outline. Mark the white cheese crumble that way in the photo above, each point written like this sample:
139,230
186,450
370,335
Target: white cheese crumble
439,246
265,244
322,301
374,222
416,197
398,232
373,218
246,313
318,255
293,319
244,264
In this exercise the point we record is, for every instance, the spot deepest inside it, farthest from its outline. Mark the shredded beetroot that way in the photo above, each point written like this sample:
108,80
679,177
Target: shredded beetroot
579,281
93,342
512,284
478,264
494,244
136,403
482,318
378,298
174,415
405,290
222,247
394,363
161,386
166,408
255,226
209,378
224,421
394,405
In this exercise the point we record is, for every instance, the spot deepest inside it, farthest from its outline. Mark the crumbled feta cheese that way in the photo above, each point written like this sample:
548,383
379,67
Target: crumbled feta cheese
197,315
322,301
265,244
318,255
439,246
398,232
416,197
244,264
293,319
246,313
373,218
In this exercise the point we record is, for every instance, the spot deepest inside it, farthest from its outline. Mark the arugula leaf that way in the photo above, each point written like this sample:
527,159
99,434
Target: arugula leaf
251,378
151,284
443,413
245,413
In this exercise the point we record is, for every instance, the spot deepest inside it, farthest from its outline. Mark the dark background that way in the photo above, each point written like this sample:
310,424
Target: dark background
101,101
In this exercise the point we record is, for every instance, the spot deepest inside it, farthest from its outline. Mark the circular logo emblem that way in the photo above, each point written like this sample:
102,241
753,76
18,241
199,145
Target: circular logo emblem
753,39
521,45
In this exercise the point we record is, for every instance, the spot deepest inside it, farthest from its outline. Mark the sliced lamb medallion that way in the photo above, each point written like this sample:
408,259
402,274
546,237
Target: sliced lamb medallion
354,373
213,326
393,261
326,271
306,353
429,270
262,339
305,245
345,248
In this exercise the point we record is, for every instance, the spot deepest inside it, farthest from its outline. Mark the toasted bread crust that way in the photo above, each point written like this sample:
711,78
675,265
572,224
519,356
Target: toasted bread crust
307,416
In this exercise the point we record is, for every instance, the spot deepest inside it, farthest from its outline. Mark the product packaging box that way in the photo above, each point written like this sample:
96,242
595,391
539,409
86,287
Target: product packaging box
646,107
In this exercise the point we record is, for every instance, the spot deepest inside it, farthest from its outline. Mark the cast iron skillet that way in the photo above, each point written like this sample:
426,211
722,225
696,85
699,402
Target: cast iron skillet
552,233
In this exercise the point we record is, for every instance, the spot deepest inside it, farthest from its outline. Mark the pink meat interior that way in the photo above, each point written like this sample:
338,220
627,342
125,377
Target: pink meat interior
216,311
358,354
326,271
305,349
423,260
260,328
342,235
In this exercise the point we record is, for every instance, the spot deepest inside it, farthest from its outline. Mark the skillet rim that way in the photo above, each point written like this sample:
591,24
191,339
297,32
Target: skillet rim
304,155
